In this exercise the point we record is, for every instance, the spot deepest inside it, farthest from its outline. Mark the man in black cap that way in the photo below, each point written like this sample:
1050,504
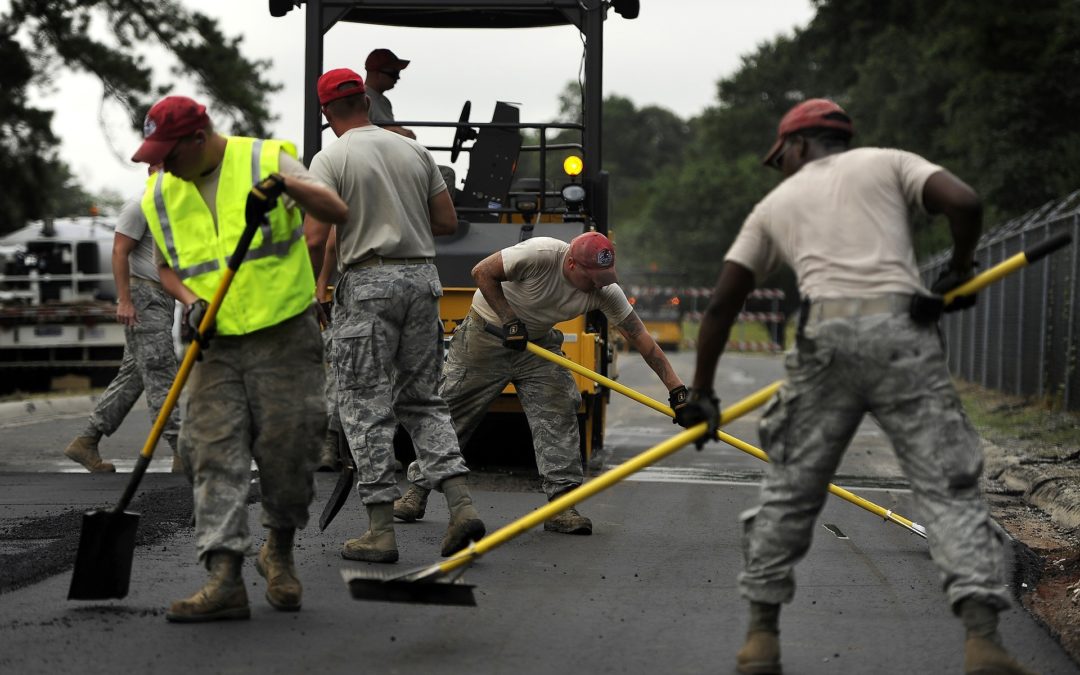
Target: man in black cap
383,71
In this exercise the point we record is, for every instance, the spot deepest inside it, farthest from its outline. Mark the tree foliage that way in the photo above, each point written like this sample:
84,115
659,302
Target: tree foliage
41,37
988,90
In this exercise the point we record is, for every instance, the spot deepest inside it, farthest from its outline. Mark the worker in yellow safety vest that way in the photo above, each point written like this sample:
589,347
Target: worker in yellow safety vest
257,393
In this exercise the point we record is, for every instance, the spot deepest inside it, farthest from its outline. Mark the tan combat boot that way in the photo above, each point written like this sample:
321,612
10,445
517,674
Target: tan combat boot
760,654
569,521
223,596
411,507
465,524
275,564
378,544
983,656
84,450
983,653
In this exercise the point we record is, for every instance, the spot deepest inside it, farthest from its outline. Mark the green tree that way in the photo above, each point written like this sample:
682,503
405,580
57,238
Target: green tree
38,37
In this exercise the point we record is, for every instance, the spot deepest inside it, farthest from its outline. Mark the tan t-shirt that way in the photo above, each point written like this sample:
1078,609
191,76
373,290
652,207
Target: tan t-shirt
132,223
842,223
540,293
387,180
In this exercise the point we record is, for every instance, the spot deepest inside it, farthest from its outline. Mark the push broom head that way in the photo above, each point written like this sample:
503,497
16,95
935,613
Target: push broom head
424,587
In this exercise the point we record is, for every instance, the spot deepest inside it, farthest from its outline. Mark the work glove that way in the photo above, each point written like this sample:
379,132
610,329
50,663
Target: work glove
950,279
191,319
928,308
677,399
515,335
701,406
263,197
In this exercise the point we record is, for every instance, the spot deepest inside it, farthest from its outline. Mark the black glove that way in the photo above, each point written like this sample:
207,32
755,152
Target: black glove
191,319
263,197
677,399
701,406
950,279
515,335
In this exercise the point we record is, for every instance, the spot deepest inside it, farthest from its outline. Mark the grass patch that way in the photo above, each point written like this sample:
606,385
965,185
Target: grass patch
1027,422
747,332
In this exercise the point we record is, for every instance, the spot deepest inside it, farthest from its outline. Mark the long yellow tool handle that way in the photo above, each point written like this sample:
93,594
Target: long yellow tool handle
186,365
1008,266
727,438
602,482
834,489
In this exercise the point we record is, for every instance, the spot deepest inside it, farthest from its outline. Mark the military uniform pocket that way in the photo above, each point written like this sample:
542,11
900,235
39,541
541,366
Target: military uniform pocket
354,356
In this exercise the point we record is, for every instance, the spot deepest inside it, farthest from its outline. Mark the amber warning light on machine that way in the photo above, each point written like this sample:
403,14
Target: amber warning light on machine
572,165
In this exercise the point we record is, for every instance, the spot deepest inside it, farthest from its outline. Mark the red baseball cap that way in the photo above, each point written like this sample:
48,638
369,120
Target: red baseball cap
595,252
380,59
331,85
169,120
814,113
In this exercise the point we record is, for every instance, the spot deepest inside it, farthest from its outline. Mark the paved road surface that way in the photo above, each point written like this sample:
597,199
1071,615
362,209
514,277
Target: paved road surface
652,591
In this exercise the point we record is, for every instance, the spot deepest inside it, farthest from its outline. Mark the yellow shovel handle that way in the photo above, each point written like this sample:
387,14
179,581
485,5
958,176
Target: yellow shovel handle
603,481
186,365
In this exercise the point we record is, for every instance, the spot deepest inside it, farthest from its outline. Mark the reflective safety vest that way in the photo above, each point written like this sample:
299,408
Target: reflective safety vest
275,280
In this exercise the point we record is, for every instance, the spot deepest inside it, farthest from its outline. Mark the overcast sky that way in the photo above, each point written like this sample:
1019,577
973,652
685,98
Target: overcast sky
671,55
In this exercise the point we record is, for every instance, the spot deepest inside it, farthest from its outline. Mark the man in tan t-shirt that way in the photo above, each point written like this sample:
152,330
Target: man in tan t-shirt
524,290
867,343
387,343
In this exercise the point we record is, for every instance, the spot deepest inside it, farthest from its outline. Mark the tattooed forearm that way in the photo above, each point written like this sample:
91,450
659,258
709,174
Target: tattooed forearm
634,331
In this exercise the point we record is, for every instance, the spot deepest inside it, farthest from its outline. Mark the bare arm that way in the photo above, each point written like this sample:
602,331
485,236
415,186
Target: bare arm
322,282
174,287
489,274
317,200
444,219
634,331
734,284
945,193
316,236
123,245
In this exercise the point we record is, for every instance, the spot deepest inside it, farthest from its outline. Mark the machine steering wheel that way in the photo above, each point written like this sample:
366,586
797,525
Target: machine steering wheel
463,133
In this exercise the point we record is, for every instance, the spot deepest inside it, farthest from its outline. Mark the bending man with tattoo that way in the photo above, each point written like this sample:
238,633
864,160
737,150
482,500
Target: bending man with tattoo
525,290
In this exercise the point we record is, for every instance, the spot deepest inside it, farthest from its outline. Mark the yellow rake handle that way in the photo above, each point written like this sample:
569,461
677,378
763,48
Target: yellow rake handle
727,438
602,482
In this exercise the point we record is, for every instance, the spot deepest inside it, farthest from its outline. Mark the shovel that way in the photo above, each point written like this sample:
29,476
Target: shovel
107,541
435,584
344,484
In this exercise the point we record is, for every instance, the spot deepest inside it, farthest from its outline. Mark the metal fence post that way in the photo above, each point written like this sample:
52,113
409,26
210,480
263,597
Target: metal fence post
1020,324
1042,320
1000,290
1069,344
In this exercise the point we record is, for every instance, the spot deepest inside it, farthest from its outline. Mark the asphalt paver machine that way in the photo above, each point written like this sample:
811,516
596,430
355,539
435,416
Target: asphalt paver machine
562,192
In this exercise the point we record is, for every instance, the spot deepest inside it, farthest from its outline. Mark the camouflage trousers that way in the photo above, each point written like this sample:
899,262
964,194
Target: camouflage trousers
894,369
257,396
478,368
386,358
332,420
148,364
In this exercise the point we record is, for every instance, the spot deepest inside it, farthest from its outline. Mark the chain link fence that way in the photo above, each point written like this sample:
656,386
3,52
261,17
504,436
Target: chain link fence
1020,338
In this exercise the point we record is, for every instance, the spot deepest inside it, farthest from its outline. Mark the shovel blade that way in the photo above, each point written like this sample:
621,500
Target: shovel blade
106,550
337,499
383,588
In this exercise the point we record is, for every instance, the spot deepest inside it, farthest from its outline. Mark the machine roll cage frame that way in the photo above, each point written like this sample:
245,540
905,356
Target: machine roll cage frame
587,16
